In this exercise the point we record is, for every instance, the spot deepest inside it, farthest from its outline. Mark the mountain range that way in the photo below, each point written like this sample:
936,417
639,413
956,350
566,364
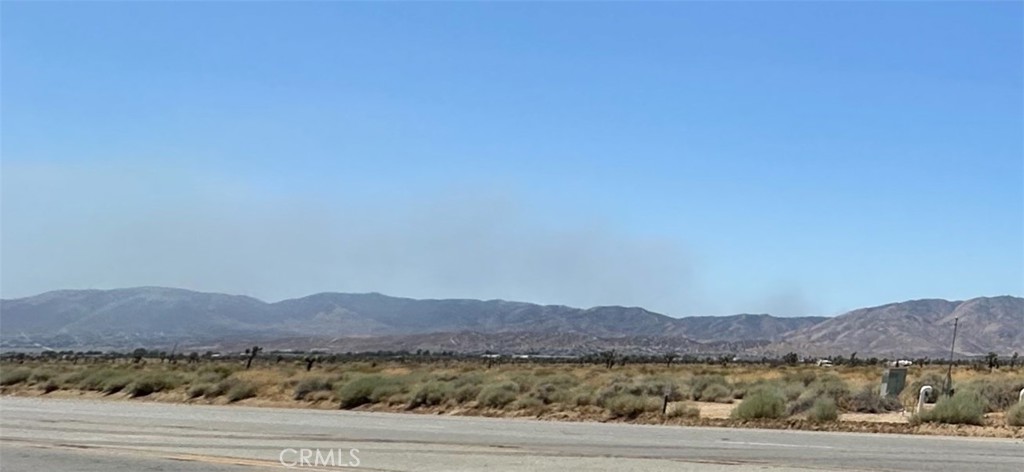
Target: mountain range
155,316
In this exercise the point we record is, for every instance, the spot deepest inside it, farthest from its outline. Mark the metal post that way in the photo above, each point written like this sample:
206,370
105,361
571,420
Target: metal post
947,386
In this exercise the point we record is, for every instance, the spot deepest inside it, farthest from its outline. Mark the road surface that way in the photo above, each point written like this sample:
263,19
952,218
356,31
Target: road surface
83,435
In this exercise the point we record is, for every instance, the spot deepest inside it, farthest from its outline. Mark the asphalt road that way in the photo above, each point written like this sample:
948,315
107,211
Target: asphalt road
77,435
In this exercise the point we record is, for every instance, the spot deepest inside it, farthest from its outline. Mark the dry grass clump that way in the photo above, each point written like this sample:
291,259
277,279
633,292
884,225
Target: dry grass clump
629,406
497,395
240,390
152,382
1015,415
964,407
763,403
683,411
14,376
432,393
306,387
368,389
710,388
824,410
118,382
529,405
995,394
825,390
96,380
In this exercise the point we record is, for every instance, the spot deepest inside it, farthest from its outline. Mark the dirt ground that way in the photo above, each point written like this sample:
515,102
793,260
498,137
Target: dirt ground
714,410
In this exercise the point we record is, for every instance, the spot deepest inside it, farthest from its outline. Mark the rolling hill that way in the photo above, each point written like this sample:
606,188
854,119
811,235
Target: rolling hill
921,327
155,316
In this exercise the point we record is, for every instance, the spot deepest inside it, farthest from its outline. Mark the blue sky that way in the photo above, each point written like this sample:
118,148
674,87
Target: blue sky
691,158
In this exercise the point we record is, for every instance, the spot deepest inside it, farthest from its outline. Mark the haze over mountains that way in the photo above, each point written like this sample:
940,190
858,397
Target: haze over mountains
152,317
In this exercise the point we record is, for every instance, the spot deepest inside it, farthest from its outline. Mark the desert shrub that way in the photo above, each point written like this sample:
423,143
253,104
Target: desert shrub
66,380
868,400
211,390
393,391
50,386
613,389
220,388
446,375
216,372
466,393
684,411
583,396
208,378
543,371
94,380
14,376
116,383
761,403
531,404
739,390
548,393
716,393
71,380
358,391
497,395
827,387
153,382
617,386
468,378
525,380
801,404
657,386
823,410
41,375
399,397
365,367
1015,415
964,407
367,389
830,386
791,390
997,395
629,406
434,392
561,380
788,390
701,383
240,390
310,385
804,377
198,389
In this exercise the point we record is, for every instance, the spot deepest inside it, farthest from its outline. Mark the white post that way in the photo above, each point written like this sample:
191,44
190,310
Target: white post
1021,398
925,391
